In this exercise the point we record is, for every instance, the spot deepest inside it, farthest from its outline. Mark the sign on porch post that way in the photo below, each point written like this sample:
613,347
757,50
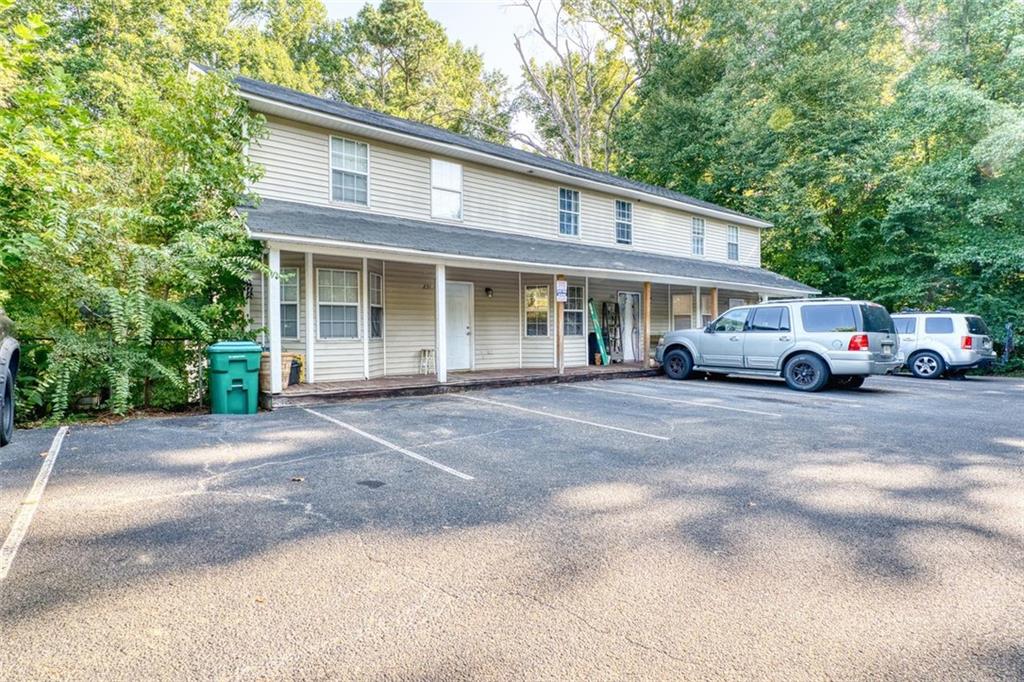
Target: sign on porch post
561,296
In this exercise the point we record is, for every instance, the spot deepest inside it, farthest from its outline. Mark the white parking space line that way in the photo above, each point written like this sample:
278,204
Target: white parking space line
561,416
397,448
748,391
696,403
29,505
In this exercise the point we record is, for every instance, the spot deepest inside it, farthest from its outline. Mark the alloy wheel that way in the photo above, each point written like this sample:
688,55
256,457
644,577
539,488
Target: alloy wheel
926,365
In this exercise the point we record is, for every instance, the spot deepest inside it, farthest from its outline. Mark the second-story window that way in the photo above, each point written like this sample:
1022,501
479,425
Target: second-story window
445,189
623,222
734,242
350,168
698,236
568,212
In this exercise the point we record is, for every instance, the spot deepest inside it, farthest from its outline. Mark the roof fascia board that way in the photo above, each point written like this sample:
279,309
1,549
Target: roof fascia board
325,120
342,248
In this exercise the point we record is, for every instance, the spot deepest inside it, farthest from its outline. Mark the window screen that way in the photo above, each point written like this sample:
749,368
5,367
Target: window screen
568,212
350,167
829,318
537,305
289,303
338,299
938,325
445,189
573,313
623,222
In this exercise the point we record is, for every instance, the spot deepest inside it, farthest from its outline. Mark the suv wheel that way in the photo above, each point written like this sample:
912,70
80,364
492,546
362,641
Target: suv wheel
806,372
7,409
678,364
927,365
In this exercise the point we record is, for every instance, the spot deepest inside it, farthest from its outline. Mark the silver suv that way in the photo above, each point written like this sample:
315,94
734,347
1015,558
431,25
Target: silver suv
811,343
943,342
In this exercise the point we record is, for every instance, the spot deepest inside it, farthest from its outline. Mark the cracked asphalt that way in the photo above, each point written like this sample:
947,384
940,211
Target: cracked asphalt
726,529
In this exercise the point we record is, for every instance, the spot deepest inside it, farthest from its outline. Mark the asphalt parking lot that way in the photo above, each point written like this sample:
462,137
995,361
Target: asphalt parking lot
727,529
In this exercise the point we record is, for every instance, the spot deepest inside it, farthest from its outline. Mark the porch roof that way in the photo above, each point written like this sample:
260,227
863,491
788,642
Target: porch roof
276,220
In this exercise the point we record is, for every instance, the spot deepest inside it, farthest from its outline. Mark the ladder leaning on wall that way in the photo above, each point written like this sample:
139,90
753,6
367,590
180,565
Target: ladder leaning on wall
597,332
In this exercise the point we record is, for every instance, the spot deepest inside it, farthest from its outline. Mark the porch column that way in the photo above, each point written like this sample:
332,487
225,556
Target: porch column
365,323
699,322
645,354
274,317
310,316
440,323
714,302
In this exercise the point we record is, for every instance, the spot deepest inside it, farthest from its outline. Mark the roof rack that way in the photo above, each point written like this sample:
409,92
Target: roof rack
806,298
918,311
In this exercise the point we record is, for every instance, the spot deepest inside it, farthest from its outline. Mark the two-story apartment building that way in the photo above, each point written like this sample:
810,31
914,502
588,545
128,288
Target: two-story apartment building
405,248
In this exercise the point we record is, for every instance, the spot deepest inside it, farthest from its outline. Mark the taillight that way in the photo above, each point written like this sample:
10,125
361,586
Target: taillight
967,343
858,342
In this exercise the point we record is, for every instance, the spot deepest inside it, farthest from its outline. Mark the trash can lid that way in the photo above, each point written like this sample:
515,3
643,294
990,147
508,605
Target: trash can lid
235,347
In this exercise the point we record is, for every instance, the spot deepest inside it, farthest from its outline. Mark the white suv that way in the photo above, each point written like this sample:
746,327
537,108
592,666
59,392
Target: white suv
943,342
811,343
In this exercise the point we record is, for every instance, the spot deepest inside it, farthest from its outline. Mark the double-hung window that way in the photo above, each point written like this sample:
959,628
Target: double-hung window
376,306
734,242
337,293
537,304
623,222
568,212
289,303
350,171
698,236
573,312
445,189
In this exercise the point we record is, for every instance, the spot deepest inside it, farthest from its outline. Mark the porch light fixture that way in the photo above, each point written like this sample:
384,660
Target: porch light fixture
489,292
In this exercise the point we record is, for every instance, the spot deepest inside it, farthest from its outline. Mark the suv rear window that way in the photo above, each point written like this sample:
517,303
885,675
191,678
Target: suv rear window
876,319
938,325
829,318
976,325
905,325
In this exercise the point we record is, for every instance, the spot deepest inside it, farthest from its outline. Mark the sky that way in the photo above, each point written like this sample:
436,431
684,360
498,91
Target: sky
488,25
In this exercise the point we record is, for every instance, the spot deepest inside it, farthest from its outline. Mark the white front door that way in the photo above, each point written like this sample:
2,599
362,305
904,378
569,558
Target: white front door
459,307
629,307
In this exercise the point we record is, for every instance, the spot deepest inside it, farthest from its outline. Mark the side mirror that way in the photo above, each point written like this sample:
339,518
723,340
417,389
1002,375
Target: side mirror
709,329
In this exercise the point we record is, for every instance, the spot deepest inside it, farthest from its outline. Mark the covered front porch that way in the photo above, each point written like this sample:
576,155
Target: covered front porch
419,306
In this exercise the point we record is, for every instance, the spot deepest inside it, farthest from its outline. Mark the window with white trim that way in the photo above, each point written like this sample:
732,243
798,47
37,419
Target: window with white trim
682,311
698,236
445,189
623,222
537,305
350,171
734,242
289,303
568,212
376,306
572,315
337,293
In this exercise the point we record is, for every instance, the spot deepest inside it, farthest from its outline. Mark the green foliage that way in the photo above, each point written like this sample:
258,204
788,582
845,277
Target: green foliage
118,232
885,140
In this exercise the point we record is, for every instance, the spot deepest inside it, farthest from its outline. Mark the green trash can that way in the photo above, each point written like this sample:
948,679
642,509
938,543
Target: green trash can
234,377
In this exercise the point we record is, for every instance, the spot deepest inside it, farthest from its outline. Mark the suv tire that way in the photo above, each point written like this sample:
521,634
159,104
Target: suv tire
806,372
927,365
678,364
7,409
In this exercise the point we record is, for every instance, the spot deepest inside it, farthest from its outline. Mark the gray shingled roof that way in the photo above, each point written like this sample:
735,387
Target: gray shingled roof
428,132
290,219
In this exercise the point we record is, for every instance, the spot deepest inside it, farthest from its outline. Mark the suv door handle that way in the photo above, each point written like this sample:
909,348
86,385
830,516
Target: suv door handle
783,338
734,338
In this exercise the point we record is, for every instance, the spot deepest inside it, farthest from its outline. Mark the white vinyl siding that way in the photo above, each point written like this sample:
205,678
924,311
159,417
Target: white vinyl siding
289,303
445,189
698,234
296,162
337,294
623,222
568,212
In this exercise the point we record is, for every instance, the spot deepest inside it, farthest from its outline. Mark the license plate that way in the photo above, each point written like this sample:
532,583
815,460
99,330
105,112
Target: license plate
886,349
